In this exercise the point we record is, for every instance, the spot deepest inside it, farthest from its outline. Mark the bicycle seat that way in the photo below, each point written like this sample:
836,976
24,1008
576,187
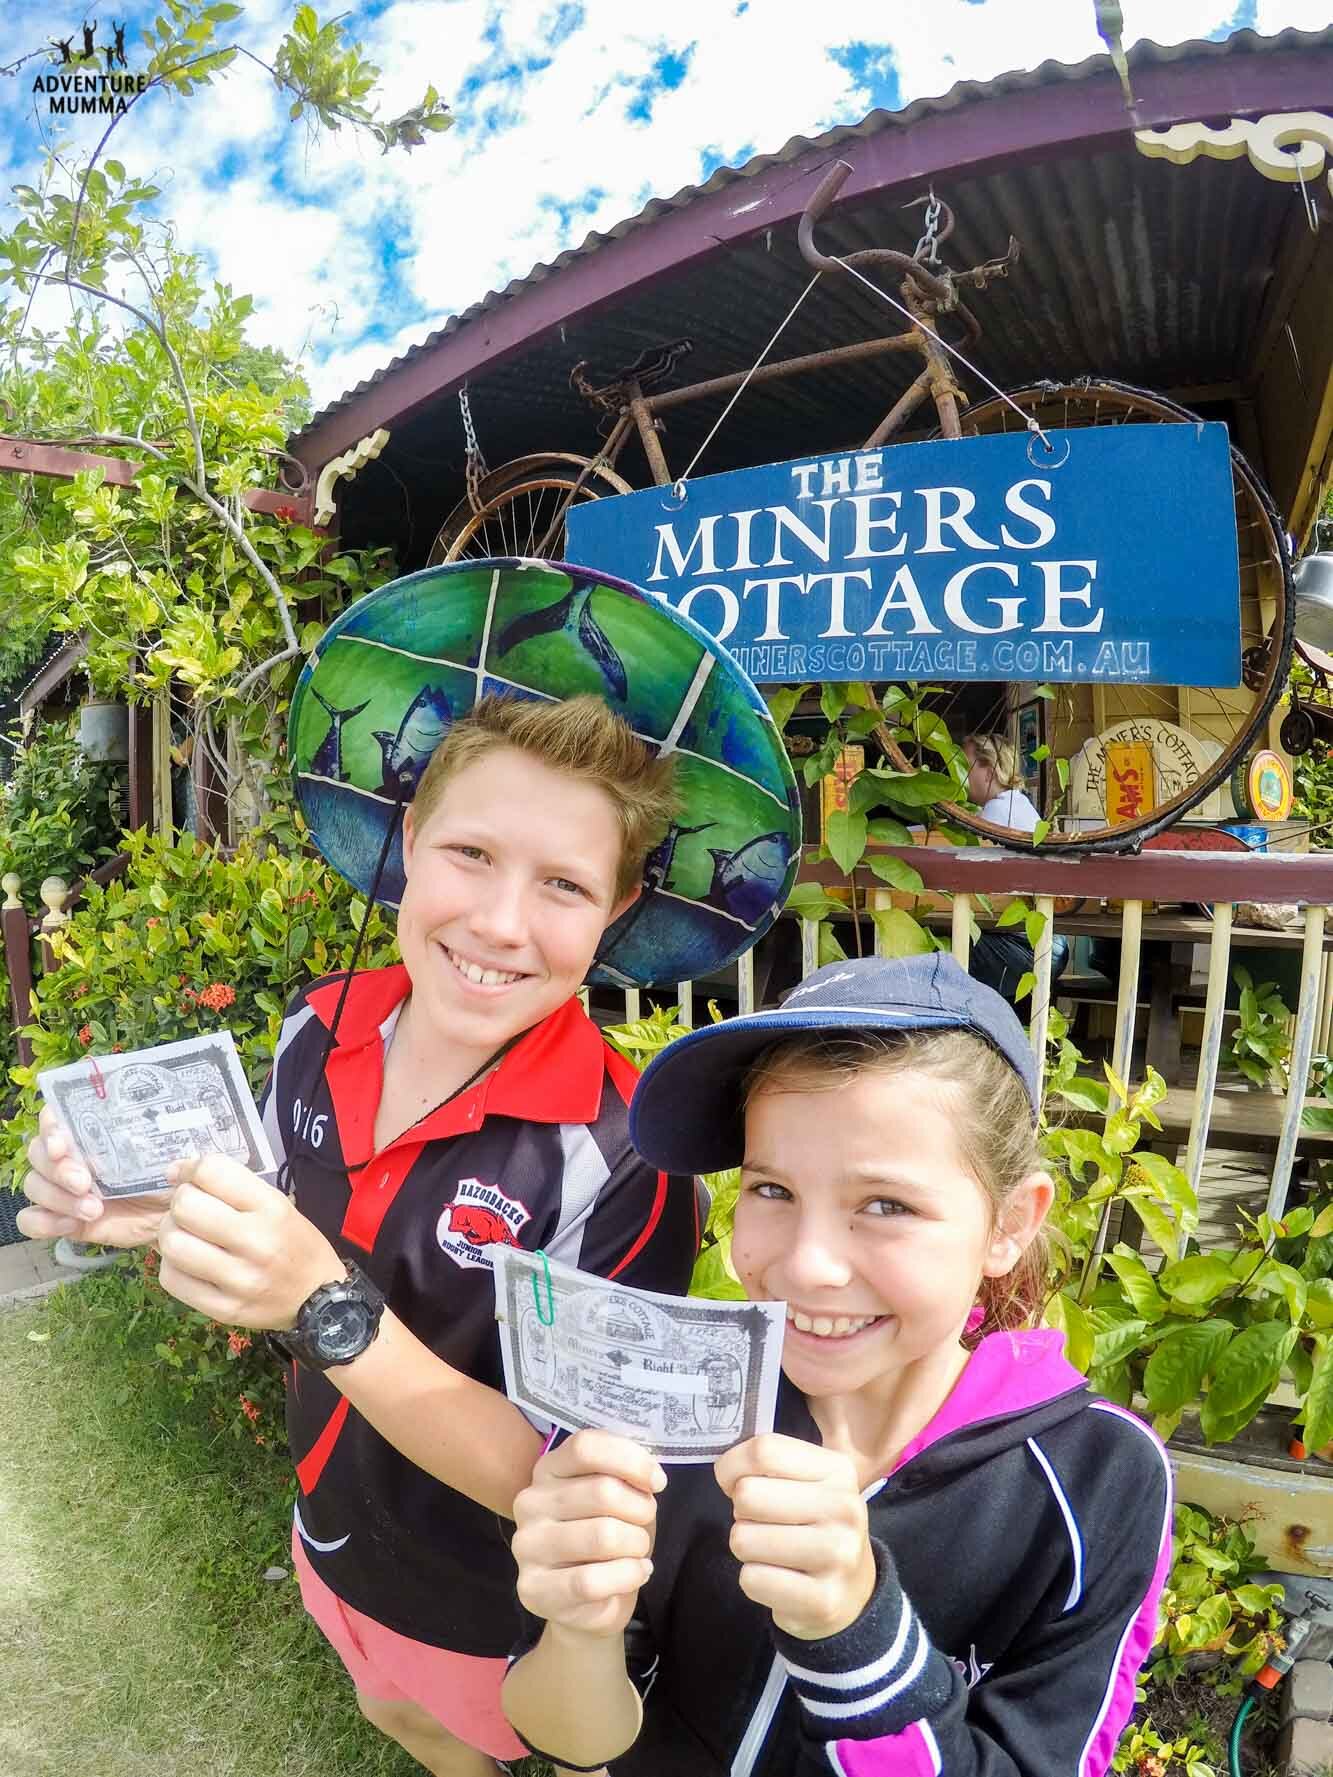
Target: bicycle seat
649,370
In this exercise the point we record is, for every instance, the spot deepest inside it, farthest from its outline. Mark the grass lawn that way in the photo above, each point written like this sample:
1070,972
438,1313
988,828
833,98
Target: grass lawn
138,1635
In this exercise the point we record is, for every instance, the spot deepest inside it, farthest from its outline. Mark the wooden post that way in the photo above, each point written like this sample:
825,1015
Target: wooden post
18,960
1122,1053
54,892
163,820
960,928
1307,1010
745,984
633,1005
1041,992
209,796
141,768
809,947
685,1000
1214,1016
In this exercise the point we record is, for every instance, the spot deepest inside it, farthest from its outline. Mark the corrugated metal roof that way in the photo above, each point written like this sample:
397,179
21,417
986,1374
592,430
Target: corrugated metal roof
965,92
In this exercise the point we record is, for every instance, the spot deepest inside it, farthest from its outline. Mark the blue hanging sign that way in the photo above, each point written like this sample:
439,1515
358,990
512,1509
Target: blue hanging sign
1110,558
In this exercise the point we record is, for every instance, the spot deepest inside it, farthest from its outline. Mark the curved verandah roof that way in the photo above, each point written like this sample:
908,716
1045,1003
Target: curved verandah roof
1202,280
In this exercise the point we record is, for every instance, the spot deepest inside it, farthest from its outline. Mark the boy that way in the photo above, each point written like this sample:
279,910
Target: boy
424,1112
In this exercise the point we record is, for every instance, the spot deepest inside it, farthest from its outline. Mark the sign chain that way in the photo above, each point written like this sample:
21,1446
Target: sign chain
474,468
927,249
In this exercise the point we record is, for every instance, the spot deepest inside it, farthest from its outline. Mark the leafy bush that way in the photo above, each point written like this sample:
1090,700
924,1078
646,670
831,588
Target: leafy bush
1210,1604
190,940
60,813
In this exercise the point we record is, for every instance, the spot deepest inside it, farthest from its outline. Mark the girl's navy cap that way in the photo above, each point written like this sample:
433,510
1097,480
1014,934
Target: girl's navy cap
686,1113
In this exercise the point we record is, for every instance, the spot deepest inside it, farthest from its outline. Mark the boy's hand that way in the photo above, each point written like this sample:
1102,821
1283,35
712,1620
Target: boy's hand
800,1533
585,1531
238,1250
64,1201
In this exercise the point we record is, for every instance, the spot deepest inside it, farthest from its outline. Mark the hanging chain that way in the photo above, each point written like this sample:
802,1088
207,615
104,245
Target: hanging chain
474,468
927,249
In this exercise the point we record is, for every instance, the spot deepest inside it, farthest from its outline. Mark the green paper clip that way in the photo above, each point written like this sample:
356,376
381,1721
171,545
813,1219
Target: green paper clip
548,1318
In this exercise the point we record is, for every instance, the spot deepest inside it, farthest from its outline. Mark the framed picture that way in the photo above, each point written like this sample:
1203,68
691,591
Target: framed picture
1029,737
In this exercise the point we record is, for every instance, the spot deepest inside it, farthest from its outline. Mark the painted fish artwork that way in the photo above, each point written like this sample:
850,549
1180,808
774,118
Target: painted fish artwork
407,752
397,668
570,613
328,759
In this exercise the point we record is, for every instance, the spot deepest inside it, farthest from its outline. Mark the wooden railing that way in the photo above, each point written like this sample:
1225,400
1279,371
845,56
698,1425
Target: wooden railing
1218,880
27,936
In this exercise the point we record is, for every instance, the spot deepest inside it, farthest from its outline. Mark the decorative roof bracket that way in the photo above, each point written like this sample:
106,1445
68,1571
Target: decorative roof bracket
344,468
1290,146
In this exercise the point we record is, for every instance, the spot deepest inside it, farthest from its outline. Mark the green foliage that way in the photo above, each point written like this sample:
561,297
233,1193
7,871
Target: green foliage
189,940
1210,1604
1312,772
1144,1752
60,813
172,578
1261,1042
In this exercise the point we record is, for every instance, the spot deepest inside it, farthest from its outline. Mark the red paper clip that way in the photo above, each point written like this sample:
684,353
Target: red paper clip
98,1079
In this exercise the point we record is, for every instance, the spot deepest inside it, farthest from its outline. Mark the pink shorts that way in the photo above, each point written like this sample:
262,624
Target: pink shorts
461,1691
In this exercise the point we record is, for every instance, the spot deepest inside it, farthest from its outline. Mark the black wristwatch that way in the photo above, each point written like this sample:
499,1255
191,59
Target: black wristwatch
336,1322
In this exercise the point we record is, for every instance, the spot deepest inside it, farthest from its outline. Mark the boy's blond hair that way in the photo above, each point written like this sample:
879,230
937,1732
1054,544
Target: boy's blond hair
581,737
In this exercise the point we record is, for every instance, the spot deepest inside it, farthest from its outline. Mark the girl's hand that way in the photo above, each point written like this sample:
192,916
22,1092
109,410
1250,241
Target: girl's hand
800,1534
585,1531
239,1251
63,1199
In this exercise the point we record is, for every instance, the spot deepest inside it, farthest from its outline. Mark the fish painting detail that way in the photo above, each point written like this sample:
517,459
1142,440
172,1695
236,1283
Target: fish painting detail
570,613
405,755
746,880
328,759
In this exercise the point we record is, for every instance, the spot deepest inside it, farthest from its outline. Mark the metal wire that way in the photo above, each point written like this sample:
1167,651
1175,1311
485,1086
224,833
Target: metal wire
680,480
1028,420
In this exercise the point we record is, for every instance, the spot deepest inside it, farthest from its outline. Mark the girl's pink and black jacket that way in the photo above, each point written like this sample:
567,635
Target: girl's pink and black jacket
1022,1541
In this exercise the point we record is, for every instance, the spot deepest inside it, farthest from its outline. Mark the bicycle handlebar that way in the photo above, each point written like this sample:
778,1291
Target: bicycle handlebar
828,189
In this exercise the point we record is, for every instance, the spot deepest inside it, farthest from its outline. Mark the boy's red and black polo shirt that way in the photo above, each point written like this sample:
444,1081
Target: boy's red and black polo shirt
537,1154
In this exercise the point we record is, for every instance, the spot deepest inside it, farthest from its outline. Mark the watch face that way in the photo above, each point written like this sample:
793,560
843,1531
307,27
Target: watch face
341,1329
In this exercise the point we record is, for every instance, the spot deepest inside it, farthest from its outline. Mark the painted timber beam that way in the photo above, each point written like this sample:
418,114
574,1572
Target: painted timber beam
26,456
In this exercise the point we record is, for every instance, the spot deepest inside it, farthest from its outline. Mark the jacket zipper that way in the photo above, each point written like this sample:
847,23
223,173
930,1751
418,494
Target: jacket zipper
752,1741
756,1732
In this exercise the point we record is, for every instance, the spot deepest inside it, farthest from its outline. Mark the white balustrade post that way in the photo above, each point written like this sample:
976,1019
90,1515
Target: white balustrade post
960,928
1214,1018
1307,1010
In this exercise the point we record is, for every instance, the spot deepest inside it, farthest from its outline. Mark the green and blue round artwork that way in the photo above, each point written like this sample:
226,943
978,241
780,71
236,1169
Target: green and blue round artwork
396,668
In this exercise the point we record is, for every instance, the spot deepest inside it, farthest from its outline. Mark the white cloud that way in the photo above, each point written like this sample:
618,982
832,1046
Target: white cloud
364,254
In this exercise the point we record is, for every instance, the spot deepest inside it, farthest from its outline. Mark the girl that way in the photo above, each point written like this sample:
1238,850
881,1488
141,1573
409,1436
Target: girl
947,1556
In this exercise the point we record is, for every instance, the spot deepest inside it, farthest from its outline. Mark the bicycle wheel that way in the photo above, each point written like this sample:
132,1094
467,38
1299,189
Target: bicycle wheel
1196,735
520,508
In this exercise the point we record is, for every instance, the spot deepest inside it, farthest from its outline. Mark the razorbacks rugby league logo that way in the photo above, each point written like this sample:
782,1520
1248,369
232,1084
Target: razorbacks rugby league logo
479,1217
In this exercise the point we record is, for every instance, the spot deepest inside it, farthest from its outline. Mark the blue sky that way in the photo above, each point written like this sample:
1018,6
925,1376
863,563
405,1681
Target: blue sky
571,115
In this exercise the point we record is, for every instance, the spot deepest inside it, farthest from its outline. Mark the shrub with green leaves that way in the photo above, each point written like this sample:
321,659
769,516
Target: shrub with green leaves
1210,1603
60,812
190,940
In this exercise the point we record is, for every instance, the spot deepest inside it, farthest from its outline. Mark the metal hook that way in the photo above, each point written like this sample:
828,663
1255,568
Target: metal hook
1050,460
677,497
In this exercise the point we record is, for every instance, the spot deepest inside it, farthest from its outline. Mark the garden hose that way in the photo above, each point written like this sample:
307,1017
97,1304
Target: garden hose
1233,1745
1274,1669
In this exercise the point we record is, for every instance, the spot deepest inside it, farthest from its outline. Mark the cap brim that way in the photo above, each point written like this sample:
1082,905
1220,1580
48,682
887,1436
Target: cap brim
686,1114
397,668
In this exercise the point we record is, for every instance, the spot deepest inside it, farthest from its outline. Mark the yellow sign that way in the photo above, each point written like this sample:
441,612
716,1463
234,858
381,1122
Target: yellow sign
1130,786
1269,784
836,788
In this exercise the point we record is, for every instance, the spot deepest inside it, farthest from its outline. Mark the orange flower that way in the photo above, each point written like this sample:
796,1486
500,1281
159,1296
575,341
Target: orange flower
248,1408
85,1034
217,996
237,1343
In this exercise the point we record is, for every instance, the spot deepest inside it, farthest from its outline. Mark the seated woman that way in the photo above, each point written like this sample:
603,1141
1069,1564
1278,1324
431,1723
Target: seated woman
994,782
